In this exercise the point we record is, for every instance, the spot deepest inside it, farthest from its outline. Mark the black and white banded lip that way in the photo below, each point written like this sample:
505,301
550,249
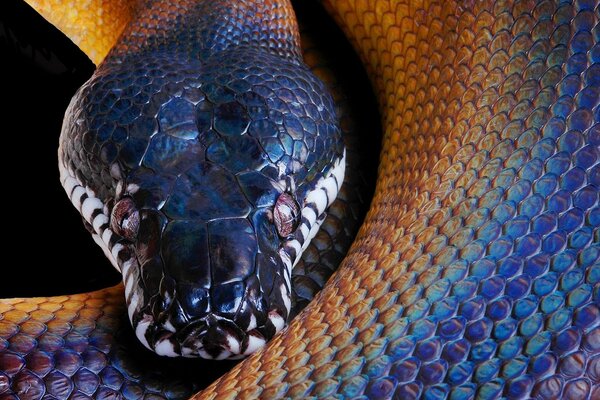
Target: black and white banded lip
96,214
313,212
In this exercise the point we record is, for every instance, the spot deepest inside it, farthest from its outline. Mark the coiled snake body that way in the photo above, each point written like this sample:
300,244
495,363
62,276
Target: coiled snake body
476,272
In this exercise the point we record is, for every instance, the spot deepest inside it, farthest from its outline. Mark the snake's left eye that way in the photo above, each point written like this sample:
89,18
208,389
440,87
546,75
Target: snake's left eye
286,214
125,219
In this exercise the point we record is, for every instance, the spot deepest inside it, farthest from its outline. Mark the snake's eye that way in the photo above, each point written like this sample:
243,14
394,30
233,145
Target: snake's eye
286,214
125,219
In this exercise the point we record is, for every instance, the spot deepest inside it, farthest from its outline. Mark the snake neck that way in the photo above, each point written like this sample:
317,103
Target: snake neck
195,29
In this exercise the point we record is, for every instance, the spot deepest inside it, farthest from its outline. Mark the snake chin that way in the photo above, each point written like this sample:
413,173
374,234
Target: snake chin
221,340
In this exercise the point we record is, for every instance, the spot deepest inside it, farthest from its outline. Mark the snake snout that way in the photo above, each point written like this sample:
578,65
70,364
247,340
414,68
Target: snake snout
216,289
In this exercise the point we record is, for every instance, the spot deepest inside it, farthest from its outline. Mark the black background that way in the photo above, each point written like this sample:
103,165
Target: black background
40,70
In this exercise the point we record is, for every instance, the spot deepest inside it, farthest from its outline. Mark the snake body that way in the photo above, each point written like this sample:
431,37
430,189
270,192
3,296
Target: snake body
476,273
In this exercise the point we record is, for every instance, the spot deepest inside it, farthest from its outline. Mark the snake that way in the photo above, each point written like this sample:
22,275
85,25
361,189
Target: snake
476,272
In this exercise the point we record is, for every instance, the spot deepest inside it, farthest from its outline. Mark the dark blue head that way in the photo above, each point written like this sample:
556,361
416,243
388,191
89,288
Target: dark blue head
213,176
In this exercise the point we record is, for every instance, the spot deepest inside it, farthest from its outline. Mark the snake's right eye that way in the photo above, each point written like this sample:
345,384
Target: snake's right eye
125,219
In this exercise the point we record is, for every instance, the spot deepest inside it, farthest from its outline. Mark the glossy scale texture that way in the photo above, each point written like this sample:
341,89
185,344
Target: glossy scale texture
476,272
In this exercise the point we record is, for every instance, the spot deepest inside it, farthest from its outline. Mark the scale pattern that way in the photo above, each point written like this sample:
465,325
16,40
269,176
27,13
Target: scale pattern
476,273
78,347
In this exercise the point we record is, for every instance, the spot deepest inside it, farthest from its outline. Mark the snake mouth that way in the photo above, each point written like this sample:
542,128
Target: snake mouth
210,337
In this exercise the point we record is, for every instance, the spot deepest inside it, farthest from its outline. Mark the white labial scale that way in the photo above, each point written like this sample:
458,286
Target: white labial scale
252,324
330,186
140,332
69,184
233,344
106,236
304,230
115,252
134,302
90,192
126,267
76,197
88,207
285,258
254,343
287,301
313,232
340,170
128,284
277,321
297,248
131,294
309,214
318,198
99,220
165,348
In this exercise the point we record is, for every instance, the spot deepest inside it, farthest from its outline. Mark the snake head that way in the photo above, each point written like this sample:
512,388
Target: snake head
204,191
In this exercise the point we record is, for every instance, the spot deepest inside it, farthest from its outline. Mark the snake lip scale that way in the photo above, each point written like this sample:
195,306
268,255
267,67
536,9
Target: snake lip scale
203,167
